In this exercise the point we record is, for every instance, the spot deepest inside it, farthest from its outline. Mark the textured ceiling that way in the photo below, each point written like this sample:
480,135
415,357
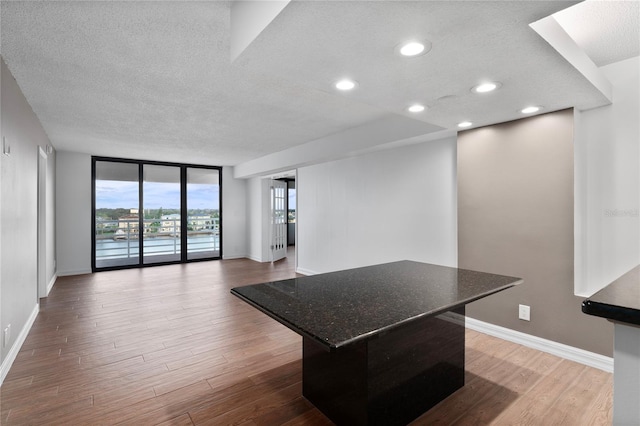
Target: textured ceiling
606,30
153,80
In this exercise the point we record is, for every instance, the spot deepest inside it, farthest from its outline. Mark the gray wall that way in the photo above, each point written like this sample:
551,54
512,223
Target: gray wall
2,73
515,217
51,261
19,215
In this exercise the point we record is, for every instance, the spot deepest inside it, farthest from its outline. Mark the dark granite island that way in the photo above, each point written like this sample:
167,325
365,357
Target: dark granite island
376,347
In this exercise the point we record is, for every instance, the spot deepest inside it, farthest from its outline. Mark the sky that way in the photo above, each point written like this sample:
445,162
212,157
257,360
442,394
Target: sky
292,200
118,194
111,194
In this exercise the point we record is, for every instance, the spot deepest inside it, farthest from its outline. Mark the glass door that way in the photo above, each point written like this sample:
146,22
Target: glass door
150,213
203,213
278,220
117,200
161,214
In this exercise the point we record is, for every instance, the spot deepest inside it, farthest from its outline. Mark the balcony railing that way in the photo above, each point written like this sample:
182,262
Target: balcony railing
120,239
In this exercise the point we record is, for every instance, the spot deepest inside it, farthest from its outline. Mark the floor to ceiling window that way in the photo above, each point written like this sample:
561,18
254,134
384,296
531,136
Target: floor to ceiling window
116,226
203,208
161,213
147,213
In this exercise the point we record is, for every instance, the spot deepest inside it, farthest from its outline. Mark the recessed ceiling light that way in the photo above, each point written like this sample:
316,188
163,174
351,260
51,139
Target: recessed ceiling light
345,84
530,109
416,108
465,124
413,48
489,86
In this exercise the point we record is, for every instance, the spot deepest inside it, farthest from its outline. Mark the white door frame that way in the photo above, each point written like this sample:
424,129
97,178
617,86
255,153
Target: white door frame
42,223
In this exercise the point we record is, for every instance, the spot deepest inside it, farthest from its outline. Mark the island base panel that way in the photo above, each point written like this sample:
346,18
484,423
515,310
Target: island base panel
390,379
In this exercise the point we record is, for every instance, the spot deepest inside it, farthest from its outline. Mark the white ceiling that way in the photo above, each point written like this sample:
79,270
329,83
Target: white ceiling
606,30
153,80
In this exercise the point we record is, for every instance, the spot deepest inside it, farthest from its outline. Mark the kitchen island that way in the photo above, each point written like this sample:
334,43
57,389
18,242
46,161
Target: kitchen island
381,344
619,302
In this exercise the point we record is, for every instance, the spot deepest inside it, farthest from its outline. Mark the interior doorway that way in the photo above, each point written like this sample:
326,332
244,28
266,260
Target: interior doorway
283,216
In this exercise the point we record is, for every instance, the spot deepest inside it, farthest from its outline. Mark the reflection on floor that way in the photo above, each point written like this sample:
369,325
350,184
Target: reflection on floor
158,258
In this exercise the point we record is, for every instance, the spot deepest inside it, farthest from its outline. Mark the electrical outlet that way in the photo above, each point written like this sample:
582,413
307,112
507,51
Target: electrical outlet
7,336
524,312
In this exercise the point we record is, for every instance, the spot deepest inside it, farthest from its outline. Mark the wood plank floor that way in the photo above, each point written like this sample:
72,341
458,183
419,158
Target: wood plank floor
170,346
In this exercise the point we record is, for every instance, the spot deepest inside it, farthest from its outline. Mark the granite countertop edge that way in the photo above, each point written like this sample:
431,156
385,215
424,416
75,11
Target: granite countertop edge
607,303
611,312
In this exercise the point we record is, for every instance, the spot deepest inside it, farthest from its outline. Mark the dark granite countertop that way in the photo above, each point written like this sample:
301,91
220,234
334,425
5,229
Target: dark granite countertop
619,301
340,308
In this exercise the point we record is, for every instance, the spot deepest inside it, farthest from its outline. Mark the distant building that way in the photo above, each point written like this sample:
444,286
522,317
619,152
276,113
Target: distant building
170,223
203,223
128,223
127,227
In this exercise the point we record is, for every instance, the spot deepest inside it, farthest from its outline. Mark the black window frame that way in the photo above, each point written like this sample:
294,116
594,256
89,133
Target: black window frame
183,211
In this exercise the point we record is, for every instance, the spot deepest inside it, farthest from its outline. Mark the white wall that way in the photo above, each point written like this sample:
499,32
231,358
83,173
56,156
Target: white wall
234,215
379,207
258,220
73,211
19,216
607,183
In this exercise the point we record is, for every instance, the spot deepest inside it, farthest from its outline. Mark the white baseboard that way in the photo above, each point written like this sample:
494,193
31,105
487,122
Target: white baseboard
13,352
304,271
78,272
571,353
51,283
234,256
